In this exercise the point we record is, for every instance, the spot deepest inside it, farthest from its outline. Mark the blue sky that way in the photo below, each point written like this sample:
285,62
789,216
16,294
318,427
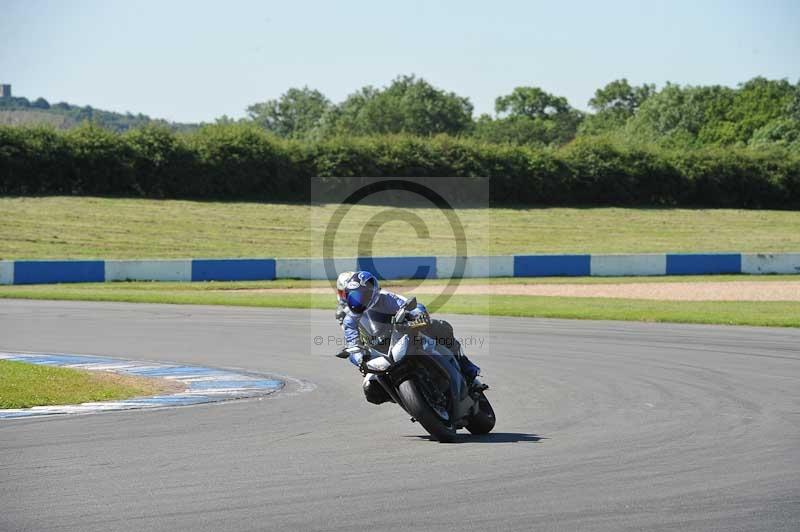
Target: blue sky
195,60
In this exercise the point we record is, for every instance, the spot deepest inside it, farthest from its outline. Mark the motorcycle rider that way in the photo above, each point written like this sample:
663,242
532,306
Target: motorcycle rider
367,305
341,304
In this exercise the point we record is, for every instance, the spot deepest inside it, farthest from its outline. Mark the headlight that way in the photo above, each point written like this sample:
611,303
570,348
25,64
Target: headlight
399,349
378,364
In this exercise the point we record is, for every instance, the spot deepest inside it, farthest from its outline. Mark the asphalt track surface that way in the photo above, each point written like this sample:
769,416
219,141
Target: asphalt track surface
601,426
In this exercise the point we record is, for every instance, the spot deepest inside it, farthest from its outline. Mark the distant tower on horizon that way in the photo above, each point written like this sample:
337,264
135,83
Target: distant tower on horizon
5,90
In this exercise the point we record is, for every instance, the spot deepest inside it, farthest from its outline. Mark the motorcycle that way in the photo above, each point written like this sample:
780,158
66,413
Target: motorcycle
425,379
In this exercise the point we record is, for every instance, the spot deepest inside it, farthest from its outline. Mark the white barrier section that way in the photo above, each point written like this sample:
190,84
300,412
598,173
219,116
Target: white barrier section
6,272
309,268
619,265
476,267
148,270
770,263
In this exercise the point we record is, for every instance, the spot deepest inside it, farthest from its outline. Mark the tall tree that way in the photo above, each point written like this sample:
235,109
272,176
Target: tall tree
531,102
408,105
614,104
530,115
295,114
620,96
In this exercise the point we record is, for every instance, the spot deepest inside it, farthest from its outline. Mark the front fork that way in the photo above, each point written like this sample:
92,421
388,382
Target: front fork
387,384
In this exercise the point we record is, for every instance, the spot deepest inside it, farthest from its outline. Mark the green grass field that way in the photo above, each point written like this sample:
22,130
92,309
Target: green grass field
73,227
25,385
765,313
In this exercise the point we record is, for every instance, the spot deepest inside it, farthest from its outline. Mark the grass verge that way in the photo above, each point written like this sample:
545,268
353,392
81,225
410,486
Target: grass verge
761,313
24,385
83,227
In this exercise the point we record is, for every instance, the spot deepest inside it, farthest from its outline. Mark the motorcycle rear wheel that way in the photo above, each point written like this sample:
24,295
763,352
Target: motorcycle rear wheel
418,407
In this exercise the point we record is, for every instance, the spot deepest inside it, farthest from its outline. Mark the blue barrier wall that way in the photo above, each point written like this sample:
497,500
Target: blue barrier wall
700,264
399,267
552,265
55,271
233,270
84,271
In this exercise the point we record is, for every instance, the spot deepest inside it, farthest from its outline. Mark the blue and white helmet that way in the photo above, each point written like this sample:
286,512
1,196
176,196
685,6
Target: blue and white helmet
361,292
341,282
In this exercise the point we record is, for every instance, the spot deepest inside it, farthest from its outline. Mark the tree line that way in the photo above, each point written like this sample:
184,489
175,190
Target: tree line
757,113
678,145
75,115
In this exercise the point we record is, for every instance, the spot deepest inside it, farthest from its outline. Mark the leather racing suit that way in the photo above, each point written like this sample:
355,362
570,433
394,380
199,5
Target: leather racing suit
373,327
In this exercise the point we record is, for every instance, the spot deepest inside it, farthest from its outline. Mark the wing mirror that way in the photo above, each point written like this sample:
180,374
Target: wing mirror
410,304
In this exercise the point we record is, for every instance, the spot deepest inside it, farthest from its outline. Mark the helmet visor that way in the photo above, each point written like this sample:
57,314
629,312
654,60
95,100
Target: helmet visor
358,299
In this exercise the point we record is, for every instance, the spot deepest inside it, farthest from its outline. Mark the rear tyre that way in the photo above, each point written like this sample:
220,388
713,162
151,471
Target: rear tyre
418,407
483,421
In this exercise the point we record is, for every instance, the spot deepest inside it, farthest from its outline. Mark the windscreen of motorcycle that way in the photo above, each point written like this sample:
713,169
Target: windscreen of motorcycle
374,324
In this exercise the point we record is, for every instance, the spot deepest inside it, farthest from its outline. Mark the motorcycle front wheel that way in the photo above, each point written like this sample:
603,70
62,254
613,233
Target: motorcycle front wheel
416,405
483,421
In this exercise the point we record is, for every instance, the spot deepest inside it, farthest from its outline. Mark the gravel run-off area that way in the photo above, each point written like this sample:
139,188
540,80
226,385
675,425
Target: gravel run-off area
671,291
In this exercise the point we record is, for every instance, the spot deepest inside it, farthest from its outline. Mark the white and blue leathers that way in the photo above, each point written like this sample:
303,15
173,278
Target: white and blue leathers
375,322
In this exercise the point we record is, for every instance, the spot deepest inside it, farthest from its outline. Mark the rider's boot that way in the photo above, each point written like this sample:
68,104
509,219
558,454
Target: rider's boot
468,368
471,373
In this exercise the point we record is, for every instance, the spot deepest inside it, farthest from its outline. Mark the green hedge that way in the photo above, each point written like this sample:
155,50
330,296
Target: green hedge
243,162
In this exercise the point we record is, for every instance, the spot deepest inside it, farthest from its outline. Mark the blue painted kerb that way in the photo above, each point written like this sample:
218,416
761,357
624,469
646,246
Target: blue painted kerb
216,385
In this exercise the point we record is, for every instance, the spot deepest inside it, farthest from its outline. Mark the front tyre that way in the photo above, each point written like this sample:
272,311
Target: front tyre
418,407
483,421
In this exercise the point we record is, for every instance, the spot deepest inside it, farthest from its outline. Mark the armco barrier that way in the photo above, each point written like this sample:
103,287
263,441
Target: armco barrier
79,271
